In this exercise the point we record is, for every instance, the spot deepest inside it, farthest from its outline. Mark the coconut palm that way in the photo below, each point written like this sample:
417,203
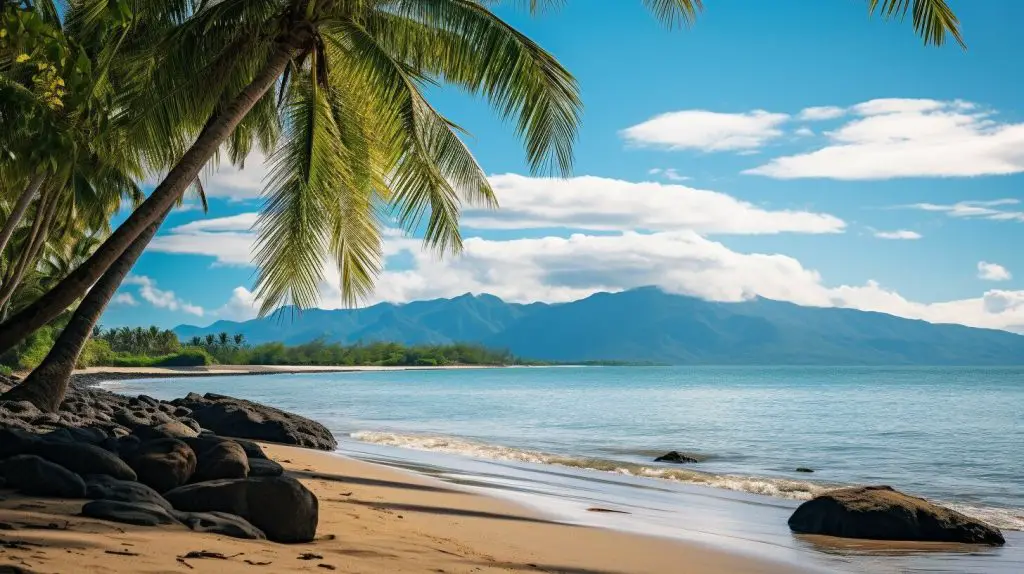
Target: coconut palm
361,142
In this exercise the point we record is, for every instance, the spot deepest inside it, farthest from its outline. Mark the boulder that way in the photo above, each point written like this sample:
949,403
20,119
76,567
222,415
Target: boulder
221,523
91,435
284,509
103,487
264,467
252,450
228,416
33,475
881,513
85,459
169,429
164,463
137,513
676,457
15,441
221,459
804,469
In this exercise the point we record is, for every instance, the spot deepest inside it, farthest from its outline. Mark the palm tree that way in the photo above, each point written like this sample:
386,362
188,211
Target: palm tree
223,339
359,136
239,340
195,341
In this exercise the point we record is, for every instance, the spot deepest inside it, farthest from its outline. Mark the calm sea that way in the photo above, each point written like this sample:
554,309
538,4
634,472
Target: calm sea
565,439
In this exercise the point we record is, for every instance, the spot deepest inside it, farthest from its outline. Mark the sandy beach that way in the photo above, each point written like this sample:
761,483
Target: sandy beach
372,519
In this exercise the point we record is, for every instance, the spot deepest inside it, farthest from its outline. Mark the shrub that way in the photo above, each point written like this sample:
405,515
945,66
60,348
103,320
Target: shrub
96,352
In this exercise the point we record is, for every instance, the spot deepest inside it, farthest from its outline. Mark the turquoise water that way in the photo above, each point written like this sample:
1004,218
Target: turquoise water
954,435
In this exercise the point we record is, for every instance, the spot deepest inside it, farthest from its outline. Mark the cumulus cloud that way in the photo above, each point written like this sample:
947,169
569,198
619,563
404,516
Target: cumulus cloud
124,299
891,138
669,173
240,307
898,234
996,209
235,183
160,298
993,272
604,204
707,131
818,113
804,132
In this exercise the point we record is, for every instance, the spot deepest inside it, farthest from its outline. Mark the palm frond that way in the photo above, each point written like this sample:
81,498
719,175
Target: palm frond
933,20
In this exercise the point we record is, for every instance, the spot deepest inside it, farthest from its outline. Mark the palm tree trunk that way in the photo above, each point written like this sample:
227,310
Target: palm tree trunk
19,210
53,303
46,385
45,213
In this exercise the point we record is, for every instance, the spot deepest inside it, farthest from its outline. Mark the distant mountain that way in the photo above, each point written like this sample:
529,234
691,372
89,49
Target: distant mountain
647,324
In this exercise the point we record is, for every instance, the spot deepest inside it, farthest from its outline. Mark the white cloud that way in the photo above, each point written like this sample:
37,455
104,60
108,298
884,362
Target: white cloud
669,173
818,113
240,222
124,299
604,204
890,138
160,298
238,184
993,272
240,307
707,131
804,132
898,234
973,209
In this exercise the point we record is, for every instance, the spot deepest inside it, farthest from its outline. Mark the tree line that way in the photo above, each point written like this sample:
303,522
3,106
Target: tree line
98,95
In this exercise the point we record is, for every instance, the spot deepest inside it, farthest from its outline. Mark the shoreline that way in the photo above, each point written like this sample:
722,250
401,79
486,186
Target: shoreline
373,518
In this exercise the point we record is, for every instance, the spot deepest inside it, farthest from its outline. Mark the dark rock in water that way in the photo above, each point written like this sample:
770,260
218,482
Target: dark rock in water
676,457
881,513
164,463
137,513
804,469
85,459
284,509
103,487
228,416
33,475
221,523
221,459
264,467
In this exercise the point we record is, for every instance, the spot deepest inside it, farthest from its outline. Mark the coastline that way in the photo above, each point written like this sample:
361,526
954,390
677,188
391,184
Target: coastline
373,518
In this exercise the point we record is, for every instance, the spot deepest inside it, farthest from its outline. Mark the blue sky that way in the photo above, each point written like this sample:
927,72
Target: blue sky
789,149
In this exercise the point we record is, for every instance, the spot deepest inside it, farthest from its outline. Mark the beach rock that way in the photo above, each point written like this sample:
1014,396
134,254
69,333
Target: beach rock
137,513
103,487
804,469
228,416
164,463
85,459
252,450
221,523
15,441
676,457
33,475
284,509
90,435
264,467
221,459
881,513
169,429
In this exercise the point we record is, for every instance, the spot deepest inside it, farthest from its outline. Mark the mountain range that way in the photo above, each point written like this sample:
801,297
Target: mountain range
645,325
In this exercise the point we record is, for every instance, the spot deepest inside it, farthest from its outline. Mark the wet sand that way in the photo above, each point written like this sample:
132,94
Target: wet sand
372,519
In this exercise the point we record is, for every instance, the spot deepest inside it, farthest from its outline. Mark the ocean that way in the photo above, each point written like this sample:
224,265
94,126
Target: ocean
568,439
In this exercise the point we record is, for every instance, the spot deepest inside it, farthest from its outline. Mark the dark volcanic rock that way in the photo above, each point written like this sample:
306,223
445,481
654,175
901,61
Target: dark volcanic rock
103,487
137,513
676,457
170,429
264,467
881,513
233,417
85,459
221,523
15,441
220,459
252,450
33,475
163,463
804,469
284,509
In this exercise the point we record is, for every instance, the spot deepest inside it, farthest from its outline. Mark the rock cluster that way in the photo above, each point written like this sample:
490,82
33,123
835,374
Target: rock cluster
147,462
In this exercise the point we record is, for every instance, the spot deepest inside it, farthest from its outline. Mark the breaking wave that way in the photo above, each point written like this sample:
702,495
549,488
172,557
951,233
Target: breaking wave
1006,519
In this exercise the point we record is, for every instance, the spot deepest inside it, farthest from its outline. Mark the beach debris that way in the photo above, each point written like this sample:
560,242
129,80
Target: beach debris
326,566
202,554
676,457
255,563
881,513
121,552
598,509
310,556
